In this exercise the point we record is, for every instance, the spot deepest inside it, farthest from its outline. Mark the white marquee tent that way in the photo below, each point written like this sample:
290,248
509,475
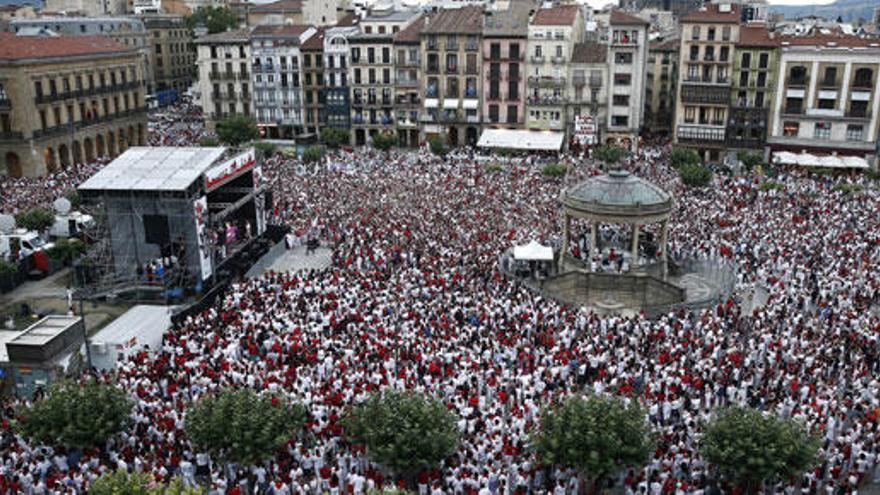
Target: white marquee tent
827,161
519,139
533,251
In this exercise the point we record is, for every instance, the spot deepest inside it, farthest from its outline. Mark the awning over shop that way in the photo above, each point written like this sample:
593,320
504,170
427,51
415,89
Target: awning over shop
533,251
827,161
521,139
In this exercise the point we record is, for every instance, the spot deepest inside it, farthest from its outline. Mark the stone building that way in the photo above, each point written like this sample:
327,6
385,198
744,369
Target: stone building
224,75
552,34
173,54
826,96
371,77
307,12
660,86
451,64
66,100
313,84
752,88
9,13
337,107
708,38
627,66
505,33
129,31
408,82
277,79
587,111
87,8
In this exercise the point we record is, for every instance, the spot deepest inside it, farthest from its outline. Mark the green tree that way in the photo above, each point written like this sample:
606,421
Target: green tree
242,426
554,170
683,156
749,160
610,154
749,448
74,198
385,140
36,219
438,147
76,415
265,149
237,129
312,154
695,175
124,483
208,142
403,431
597,436
215,19
66,250
334,137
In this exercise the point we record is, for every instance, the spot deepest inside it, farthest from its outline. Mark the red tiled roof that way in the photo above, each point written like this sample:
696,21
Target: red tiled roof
589,53
756,36
561,15
350,19
711,13
464,20
827,40
618,17
280,5
412,33
14,47
315,41
670,45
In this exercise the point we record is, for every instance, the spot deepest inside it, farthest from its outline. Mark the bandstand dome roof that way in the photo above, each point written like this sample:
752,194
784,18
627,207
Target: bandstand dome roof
617,194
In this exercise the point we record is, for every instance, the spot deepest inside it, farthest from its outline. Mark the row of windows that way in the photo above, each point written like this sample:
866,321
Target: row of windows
863,77
711,33
822,130
65,84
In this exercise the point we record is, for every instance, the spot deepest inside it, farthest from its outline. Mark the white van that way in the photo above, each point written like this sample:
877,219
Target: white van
74,224
22,243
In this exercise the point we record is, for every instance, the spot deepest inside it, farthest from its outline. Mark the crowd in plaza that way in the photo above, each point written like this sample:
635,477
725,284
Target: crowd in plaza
414,299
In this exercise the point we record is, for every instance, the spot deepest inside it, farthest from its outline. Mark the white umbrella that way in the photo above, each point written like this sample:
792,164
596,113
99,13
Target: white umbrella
533,251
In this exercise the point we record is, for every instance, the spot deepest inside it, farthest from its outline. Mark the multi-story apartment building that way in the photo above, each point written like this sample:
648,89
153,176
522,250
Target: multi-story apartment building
224,75
129,31
293,12
660,86
752,88
588,86
173,54
505,32
408,81
451,64
337,107
708,38
87,8
552,33
67,100
277,79
627,66
827,100
313,84
372,72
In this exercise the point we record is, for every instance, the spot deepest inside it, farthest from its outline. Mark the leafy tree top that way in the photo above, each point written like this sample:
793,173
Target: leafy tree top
124,483
215,19
36,219
598,435
76,415
610,154
335,137
384,141
683,156
749,447
438,147
695,175
237,129
243,426
403,431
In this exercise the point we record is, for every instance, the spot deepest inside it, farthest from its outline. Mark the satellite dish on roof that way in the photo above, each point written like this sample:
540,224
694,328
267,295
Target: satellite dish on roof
7,224
62,206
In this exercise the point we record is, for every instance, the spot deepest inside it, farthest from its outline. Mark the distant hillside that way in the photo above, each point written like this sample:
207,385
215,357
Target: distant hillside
849,10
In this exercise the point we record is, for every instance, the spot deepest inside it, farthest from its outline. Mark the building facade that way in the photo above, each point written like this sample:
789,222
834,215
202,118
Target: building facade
660,86
172,54
827,100
277,79
752,88
313,84
87,8
67,100
224,75
505,35
627,67
588,86
337,105
407,83
552,34
708,38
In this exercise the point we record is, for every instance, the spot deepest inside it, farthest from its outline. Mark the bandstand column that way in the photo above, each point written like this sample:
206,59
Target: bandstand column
663,240
592,243
635,246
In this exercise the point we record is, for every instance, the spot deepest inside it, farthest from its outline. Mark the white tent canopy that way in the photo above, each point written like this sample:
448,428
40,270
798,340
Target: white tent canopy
785,158
827,161
521,139
533,251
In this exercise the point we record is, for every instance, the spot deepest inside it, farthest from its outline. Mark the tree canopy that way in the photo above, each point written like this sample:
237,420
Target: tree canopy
335,137
438,147
76,415
695,175
36,219
598,435
385,141
215,19
749,447
610,154
403,431
120,482
683,156
241,425
237,129
312,154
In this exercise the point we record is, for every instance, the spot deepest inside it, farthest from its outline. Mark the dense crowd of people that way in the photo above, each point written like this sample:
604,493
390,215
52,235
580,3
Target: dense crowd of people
414,299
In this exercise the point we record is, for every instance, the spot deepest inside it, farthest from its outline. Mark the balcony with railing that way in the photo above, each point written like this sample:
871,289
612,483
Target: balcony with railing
547,100
862,84
451,46
705,94
11,136
538,59
829,83
858,113
432,69
471,47
471,70
451,69
702,135
793,110
546,81
796,82
67,95
409,62
405,82
558,60
497,75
